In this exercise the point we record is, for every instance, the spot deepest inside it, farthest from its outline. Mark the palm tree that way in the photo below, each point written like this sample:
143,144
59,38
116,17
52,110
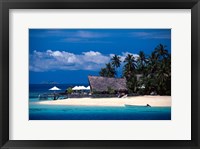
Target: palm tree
141,62
164,75
162,78
130,65
161,51
152,63
103,72
110,70
142,57
156,70
115,61
159,71
129,72
130,62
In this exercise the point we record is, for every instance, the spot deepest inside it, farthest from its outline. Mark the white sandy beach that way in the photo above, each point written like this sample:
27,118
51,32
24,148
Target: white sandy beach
158,101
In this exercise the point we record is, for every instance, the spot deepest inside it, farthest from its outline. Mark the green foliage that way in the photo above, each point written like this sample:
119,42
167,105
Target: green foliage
141,63
96,92
111,68
69,90
103,72
110,90
158,72
130,65
109,71
155,70
116,62
131,83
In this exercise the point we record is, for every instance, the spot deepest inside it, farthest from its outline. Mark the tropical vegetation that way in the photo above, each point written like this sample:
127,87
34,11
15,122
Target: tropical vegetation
145,74
69,90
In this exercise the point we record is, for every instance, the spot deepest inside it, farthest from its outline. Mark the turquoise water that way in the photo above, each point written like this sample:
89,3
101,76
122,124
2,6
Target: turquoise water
37,89
52,112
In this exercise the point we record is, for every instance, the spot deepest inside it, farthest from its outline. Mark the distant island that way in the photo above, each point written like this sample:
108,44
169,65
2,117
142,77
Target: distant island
47,82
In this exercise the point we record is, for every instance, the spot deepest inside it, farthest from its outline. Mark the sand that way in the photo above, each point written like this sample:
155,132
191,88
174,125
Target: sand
154,101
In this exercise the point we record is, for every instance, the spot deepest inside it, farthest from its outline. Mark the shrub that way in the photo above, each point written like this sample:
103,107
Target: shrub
69,90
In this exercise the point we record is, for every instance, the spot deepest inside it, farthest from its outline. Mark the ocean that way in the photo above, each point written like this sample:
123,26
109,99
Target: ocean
37,89
55,112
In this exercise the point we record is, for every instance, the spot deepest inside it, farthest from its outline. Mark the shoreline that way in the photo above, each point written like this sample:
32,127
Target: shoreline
153,101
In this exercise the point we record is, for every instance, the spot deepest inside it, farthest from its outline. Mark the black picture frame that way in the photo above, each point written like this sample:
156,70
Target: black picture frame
5,5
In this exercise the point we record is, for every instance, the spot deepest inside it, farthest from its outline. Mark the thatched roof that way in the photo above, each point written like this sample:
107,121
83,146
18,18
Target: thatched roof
101,84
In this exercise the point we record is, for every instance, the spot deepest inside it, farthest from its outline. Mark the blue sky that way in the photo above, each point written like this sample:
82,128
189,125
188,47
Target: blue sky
70,55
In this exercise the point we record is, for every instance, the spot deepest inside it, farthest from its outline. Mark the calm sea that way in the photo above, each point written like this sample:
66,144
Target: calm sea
53,112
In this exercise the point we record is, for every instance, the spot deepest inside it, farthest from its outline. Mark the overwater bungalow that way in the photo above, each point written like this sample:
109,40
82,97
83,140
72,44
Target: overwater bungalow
102,85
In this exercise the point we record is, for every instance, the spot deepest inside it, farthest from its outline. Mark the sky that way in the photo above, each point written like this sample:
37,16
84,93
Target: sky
68,56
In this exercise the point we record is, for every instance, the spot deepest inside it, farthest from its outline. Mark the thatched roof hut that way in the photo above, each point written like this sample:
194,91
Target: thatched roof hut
102,84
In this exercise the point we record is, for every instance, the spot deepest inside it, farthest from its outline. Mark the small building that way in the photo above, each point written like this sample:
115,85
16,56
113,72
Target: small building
100,84
139,76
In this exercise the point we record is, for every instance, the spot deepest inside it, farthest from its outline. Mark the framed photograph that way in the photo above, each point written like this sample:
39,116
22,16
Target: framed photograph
117,74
